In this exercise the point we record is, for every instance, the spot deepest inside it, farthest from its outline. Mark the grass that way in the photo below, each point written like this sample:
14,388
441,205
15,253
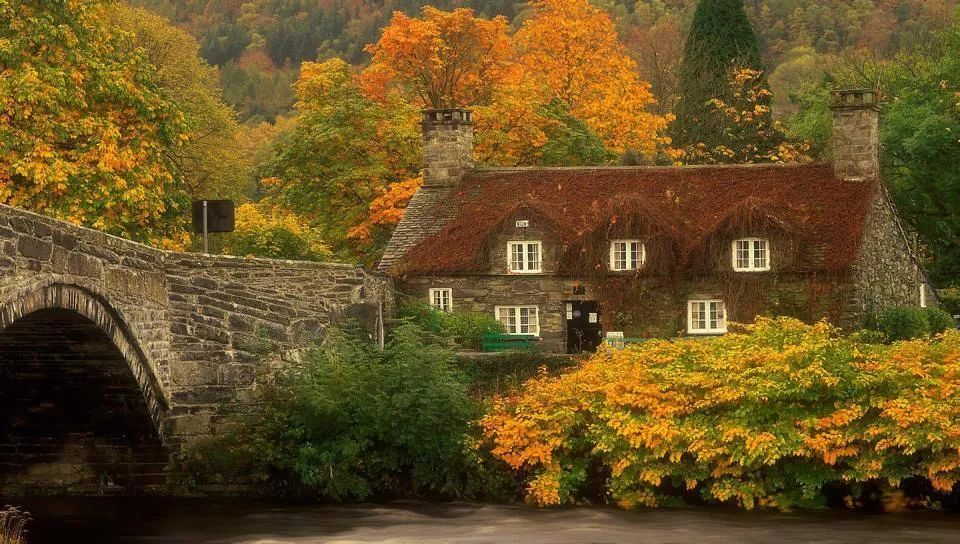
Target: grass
13,522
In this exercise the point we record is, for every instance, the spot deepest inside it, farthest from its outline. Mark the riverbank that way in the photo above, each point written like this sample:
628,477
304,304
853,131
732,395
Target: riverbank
204,521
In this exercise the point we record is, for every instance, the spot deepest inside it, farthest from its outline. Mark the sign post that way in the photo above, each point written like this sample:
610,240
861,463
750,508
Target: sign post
212,216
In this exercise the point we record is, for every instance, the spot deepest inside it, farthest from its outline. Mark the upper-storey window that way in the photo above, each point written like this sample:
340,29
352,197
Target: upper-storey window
751,255
626,255
525,257
441,298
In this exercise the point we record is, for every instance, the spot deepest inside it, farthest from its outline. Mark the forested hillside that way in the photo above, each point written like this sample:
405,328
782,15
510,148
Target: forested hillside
259,44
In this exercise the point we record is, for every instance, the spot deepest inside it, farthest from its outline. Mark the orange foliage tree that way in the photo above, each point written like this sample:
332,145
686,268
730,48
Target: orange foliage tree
455,59
446,58
86,134
573,48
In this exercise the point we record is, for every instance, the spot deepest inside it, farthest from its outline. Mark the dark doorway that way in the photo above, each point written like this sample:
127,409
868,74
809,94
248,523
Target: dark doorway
584,332
74,418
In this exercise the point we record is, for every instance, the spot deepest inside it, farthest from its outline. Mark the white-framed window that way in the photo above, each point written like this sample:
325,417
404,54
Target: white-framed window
923,295
519,319
751,255
627,255
441,298
525,257
706,317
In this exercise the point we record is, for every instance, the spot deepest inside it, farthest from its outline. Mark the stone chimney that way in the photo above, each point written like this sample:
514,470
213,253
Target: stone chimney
447,146
856,134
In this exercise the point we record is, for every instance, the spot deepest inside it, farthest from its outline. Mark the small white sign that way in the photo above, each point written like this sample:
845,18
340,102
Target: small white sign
592,317
615,339
523,223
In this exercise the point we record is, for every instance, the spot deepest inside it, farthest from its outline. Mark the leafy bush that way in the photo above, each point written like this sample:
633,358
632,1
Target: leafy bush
908,323
950,299
466,329
351,422
499,373
781,416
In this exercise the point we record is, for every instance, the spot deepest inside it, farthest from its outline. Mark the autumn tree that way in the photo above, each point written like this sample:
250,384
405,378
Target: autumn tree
445,58
748,131
454,59
720,40
343,152
211,160
573,48
86,134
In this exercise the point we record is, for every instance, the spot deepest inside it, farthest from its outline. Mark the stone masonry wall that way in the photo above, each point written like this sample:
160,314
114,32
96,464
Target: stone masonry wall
885,272
232,317
195,331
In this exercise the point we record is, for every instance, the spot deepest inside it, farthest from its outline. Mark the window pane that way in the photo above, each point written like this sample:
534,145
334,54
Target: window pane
743,254
634,255
533,254
698,315
516,262
760,254
505,317
524,320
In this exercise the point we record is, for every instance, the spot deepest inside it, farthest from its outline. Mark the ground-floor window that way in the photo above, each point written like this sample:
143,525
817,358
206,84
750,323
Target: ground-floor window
706,317
519,319
923,295
442,299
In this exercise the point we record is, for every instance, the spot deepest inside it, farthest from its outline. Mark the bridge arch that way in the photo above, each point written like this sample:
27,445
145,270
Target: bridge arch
84,408
95,308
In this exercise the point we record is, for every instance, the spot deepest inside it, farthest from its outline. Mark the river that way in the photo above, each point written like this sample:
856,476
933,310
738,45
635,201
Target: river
202,521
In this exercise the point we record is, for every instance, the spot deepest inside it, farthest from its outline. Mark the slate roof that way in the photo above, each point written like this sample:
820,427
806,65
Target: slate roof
445,229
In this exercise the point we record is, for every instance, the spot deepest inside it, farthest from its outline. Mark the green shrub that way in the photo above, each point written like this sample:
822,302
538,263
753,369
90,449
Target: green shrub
351,422
466,329
950,300
939,320
907,323
499,373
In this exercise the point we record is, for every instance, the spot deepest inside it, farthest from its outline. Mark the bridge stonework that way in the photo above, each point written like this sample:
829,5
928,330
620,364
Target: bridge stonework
196,332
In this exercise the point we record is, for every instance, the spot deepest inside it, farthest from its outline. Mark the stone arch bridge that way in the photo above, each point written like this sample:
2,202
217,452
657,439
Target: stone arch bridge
113,354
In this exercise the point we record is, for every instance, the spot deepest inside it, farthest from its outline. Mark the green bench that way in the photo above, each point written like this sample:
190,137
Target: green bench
494,342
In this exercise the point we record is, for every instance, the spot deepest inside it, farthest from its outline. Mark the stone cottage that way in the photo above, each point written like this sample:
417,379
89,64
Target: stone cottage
568,254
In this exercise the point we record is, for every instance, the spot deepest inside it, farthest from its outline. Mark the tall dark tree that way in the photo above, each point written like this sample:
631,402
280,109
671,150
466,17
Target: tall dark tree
721,40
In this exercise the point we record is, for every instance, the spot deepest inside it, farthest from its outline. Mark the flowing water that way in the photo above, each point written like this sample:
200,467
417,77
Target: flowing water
203,521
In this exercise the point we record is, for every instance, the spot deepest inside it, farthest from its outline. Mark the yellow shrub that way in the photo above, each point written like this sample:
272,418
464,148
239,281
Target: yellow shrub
763,418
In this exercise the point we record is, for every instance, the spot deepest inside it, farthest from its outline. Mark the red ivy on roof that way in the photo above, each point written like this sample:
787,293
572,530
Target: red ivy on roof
687,205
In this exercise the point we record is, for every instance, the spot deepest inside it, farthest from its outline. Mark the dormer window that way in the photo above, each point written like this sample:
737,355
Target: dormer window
751,255
525,257
626,255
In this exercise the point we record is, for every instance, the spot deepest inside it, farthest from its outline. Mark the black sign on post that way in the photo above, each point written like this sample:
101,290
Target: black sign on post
212,216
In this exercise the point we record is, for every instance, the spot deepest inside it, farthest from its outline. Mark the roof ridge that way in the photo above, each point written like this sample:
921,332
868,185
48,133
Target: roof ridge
520,169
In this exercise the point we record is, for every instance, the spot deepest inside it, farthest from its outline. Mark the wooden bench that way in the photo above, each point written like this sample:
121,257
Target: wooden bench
495,342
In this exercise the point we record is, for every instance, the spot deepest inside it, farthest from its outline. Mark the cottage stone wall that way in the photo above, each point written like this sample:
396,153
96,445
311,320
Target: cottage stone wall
885,271
194,333
647,307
